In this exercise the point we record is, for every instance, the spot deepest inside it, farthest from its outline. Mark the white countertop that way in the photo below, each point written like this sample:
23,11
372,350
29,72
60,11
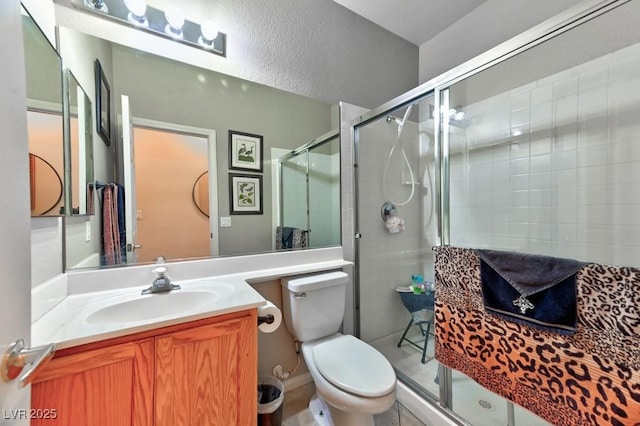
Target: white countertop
66,324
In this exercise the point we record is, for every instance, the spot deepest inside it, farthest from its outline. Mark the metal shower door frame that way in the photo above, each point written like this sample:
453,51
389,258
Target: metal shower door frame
439,88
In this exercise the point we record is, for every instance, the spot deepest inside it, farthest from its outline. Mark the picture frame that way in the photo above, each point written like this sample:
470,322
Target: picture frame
245,194
245,151
103,104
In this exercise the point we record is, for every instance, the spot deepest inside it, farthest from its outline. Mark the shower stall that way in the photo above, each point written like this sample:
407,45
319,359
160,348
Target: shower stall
309,190
531,147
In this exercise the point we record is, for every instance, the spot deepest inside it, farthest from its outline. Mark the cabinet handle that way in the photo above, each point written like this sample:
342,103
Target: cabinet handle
17,357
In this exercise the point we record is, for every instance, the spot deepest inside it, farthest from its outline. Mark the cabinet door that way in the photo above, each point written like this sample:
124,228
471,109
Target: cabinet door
111,386
208,375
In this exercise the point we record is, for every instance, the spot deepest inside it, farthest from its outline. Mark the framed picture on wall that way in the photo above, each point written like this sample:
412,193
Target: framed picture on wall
245,151
103,105
245,194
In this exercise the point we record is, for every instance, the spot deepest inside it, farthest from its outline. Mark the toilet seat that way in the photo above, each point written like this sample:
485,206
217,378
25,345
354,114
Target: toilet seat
353,366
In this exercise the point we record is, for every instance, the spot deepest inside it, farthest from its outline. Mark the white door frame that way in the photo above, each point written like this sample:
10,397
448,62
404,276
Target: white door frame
210,135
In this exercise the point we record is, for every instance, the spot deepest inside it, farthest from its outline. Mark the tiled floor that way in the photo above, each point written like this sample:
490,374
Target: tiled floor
296,411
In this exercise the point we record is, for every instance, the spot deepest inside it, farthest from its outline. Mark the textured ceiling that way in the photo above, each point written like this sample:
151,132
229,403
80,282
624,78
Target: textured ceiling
414,20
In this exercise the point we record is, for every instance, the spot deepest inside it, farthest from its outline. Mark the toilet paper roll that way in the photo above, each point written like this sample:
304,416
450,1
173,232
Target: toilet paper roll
270,309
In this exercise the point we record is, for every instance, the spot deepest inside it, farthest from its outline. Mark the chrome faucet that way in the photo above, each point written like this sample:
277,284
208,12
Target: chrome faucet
161,283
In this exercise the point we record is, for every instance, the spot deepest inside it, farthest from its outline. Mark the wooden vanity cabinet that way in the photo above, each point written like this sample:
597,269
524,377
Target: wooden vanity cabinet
208,375
198,373
107,386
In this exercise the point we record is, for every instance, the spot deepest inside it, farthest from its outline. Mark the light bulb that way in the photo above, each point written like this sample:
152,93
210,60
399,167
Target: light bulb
209,33
98,5
176,21
137,9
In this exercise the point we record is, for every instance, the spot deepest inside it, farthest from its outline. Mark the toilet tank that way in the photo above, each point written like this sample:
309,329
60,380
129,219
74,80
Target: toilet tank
313,305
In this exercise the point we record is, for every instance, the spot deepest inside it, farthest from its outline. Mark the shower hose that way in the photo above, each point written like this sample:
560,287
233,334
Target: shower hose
398,144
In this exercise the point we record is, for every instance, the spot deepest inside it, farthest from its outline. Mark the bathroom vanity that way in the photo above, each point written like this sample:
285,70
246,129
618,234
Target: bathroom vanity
199,372
184,357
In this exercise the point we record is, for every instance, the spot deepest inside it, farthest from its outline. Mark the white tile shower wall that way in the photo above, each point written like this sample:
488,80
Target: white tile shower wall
295,192
348,113
388,260
324,199
561,175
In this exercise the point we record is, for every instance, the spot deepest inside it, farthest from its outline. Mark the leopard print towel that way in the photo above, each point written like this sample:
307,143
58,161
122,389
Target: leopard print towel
589,378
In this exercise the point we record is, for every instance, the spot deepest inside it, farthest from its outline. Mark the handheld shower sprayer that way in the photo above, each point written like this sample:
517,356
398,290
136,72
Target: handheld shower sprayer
398,142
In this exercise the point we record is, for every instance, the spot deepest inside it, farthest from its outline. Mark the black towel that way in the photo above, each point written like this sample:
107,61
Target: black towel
535,290
287,237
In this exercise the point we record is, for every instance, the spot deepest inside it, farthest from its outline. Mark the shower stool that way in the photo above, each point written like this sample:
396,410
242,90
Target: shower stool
416,304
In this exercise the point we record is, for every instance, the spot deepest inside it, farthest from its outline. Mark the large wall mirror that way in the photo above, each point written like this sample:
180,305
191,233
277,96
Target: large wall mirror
58,121
182,121
44,120
80,192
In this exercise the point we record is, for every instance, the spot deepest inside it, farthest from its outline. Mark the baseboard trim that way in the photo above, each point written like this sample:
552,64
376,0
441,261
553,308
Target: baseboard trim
297,381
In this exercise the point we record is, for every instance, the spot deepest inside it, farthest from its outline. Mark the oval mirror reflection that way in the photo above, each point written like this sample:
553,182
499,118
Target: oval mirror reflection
45,186
201,193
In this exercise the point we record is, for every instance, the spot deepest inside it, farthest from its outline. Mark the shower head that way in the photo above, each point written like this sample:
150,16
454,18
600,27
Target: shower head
400,122
391,118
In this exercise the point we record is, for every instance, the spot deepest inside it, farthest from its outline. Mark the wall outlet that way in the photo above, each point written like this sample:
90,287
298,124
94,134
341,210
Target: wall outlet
87,231
225,221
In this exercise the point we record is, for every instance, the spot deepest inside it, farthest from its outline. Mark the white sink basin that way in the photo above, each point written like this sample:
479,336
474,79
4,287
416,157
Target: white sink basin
134,307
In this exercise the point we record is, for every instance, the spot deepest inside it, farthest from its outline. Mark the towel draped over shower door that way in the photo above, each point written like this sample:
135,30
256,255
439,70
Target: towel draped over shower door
589,378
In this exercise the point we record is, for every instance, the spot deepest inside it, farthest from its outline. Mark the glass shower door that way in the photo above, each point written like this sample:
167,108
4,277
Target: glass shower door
295,192
396,222
542,159
310,191
324,194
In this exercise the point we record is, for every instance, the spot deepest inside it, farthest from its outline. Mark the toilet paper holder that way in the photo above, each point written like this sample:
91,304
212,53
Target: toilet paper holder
268,319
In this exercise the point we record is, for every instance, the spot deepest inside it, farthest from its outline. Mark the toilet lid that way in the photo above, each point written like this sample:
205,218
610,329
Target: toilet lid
353,366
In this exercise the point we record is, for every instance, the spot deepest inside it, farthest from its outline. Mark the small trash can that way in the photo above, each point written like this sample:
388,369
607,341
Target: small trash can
270,397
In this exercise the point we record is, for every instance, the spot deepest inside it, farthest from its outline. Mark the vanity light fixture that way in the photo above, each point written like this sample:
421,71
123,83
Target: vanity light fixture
170,23
137,9
98,5
175,21
208,34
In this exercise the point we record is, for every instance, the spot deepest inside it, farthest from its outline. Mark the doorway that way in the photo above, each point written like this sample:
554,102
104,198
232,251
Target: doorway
170,207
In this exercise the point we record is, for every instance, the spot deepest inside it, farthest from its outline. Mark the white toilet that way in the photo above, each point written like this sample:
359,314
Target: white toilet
351,377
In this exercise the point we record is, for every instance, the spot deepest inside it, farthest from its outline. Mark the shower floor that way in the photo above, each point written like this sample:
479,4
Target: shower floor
472,402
